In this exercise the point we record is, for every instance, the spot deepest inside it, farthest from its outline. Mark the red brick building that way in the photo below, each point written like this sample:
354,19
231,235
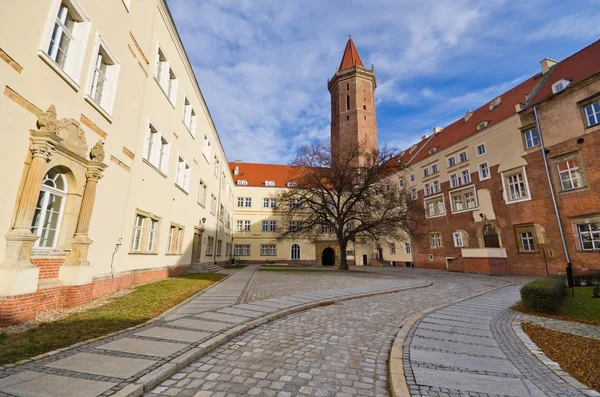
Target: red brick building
485,186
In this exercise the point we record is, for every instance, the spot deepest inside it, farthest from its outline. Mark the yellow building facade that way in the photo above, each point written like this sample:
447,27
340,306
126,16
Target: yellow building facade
117,173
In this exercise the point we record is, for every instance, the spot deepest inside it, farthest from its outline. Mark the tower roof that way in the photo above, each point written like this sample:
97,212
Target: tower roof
351,57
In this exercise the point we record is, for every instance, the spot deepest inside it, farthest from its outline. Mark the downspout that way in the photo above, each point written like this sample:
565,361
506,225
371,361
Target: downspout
552,193
217,210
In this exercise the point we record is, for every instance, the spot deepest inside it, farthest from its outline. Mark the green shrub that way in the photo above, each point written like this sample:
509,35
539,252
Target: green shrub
545,295
595,294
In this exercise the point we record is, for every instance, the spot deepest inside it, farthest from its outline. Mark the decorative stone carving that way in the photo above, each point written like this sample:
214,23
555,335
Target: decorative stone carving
73,136
97,152
42,150
47,121
95,174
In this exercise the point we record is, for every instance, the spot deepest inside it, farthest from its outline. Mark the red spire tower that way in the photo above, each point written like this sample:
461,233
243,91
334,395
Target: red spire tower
352,89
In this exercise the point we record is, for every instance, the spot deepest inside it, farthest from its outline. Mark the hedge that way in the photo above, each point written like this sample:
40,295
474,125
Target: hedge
545,295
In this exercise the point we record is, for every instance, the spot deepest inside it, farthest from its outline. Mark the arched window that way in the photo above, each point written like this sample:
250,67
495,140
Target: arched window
49,209
295,252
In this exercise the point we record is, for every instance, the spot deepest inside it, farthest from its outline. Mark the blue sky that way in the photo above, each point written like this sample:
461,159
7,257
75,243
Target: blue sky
263,65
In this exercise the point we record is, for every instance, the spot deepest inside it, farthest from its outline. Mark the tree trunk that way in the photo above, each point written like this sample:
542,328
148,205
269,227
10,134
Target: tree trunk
343,259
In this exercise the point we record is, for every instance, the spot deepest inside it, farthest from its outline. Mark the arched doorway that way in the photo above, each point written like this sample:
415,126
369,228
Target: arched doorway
490,237
295,252
328,257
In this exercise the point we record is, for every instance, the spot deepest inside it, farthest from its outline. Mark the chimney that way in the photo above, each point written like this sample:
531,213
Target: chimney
424,137
547,64
468,115
437,130
518,107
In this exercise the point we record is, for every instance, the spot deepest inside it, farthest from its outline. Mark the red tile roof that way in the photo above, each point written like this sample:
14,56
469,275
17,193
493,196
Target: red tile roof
575,68
257,174
351,57
460,130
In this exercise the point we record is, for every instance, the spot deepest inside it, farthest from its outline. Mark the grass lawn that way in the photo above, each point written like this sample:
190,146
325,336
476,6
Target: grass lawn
577,355
583,308
142,304
235,267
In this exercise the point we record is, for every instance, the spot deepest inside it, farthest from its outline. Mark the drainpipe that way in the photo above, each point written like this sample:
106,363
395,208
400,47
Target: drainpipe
552,193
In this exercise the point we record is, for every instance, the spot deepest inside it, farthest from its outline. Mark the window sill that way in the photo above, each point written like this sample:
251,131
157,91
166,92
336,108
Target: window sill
182,189
528,252
434,216
155,168
466,210
189,130
201,205
97,106
173,254
518,200
576,190
68,79
484,179
142,253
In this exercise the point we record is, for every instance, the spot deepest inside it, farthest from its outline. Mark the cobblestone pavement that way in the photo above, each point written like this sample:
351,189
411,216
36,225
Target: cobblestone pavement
470,348
586,330
337,350
269,284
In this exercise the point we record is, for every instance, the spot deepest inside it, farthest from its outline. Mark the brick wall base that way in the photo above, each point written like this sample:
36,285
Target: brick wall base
494,266
21,308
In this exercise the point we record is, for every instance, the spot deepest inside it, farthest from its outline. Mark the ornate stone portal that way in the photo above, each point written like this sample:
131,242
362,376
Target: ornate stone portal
56,143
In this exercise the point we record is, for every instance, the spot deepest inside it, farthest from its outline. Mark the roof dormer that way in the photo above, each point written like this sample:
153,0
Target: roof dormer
482,124
269,183
560,85
242,182
468,115
494,103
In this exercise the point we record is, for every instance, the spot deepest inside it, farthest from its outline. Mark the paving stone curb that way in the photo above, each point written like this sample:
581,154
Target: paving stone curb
148,381
99,338
397,379
548,362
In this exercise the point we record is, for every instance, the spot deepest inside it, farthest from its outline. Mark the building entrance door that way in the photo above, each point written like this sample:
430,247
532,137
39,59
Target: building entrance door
365,258
197,246
328,257
490,237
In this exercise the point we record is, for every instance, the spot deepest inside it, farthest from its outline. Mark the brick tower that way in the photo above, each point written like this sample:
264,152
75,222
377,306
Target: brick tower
352,90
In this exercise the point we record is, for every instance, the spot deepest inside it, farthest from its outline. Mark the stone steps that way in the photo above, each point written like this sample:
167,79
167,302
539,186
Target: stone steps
204,268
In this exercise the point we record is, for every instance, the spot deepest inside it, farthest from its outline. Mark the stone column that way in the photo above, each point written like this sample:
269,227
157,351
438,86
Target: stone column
77,269
17,274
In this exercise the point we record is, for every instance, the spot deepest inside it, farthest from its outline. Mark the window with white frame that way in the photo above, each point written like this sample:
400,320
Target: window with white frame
451,161
407,248
454,182
269,203
175,239
189,116
560,85
64,43
244,202
425,172
527,243
569,174
435,207
326,228
413,178
589,236
239,225
414,194
241,250
480,149
464,199
213,204
530,138
484,171
145,233
462,157
516,186
104,77
165,76
246,226
435,186
295,226
401,181
465,176
268,250
182,178
435,168
392,249
216,166
49,209
210,245
435,240
206,150
592,113
219,247
157,149
202,189
458,239
427,189
295,251
265,226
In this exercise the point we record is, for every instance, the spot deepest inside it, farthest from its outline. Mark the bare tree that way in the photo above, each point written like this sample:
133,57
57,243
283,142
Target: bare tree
351,196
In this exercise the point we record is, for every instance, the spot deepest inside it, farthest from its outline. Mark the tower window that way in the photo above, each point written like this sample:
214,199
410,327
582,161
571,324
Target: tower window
347,87
347,117
347,102
364,107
